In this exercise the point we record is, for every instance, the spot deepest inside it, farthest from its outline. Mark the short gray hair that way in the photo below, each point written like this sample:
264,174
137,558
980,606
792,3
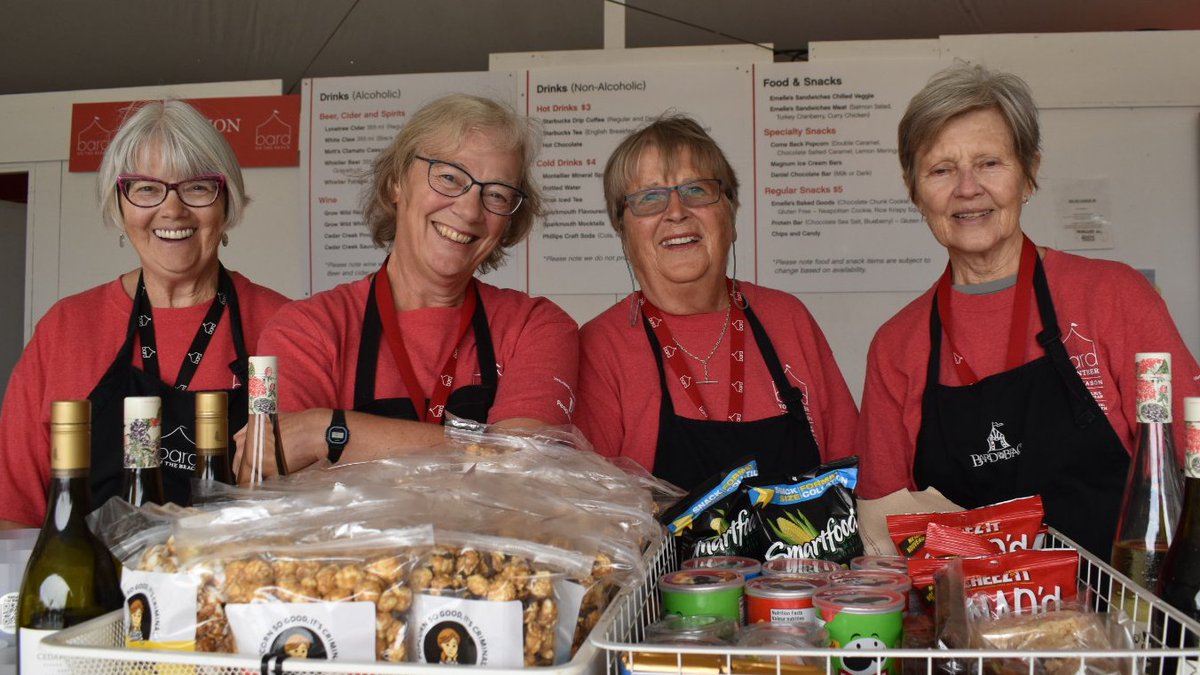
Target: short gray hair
964,88
448,120
186,142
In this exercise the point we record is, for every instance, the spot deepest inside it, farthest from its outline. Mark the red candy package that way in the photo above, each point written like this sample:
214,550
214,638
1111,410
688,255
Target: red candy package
943,541
1021,582
1013,525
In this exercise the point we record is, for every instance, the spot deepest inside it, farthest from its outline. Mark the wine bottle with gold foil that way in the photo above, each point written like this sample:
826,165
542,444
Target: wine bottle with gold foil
212,441
263,419
142,479
70,577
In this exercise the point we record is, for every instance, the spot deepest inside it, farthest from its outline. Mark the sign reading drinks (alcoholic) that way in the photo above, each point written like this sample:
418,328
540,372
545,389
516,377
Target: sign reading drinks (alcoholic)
349,121
262,130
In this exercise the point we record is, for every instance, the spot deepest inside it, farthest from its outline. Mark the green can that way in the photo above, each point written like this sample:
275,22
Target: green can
860,618
694,592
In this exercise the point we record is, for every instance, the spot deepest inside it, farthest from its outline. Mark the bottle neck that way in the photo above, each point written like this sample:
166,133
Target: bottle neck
70,500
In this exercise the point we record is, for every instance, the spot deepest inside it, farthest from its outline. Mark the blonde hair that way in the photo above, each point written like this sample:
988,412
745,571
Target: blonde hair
448,120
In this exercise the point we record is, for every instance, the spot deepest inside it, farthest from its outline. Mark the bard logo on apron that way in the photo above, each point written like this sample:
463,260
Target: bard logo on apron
998,448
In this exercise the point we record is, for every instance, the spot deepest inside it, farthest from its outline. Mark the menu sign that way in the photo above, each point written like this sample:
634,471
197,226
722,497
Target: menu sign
585,113
833,212
348,122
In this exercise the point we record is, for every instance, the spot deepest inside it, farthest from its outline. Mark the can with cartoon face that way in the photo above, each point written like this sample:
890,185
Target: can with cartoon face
782,599
860,618
715,592
749,567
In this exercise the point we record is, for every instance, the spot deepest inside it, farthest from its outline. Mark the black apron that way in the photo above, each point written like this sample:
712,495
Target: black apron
1034,429
690,451
471,402
177,456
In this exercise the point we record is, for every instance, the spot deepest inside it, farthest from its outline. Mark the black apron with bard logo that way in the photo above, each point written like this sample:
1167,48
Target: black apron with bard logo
1034,429
690,451
470,402
178,454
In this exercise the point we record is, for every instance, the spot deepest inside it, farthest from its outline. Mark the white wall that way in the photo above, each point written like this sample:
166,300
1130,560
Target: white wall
1118,106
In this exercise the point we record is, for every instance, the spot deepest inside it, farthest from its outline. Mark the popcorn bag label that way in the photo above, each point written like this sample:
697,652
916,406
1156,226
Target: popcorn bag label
468,632
160,610
319,630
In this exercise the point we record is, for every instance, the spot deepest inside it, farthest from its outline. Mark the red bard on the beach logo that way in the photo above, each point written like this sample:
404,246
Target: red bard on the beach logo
263,130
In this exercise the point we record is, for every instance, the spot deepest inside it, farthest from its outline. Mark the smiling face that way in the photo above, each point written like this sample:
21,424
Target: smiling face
174,241
682,247
443,240
970,186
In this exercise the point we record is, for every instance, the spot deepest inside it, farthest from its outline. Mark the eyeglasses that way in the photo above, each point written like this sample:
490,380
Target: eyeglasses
148,192
655,200
453,181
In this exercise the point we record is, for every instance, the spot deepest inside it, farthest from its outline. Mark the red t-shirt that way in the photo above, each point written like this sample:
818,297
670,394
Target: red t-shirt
1107,311
73,346
536,346
620,394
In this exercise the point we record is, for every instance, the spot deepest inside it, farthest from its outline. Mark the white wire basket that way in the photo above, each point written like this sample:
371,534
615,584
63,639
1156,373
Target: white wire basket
96,647
1106,590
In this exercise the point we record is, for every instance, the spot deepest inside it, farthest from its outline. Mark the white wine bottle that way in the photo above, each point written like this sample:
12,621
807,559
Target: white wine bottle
212,443
263,374
70,577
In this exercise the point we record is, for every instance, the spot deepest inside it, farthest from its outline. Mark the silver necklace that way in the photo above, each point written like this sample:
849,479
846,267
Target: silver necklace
704,361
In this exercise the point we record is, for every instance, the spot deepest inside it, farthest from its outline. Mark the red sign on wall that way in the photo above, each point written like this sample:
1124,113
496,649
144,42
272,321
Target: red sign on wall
263,130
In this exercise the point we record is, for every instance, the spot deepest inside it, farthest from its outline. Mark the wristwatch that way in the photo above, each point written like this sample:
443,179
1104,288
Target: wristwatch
337,435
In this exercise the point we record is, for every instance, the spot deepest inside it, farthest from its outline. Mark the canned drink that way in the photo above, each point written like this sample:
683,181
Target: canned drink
891,563
748,567
714,592
864,619
782,599
789,566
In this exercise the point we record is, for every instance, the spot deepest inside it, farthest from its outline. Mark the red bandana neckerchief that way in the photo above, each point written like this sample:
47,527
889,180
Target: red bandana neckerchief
1019,328
682,369
391,330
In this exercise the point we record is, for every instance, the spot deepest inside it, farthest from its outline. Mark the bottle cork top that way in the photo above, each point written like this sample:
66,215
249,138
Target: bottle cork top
264,396
70,412
212,404
1191,409
142,407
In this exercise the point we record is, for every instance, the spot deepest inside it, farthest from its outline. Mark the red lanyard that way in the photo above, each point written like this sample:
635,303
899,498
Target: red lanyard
391,330
682,369
1019,328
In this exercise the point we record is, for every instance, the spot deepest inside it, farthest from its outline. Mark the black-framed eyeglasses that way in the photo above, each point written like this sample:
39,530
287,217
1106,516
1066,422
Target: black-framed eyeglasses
692,193
452,180
148,192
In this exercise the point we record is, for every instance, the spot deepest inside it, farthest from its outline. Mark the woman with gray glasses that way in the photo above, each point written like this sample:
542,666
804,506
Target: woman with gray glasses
696,370
177,324
372,368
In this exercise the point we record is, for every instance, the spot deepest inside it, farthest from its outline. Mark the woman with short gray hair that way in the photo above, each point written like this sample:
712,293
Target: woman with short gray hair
179,323
1013,375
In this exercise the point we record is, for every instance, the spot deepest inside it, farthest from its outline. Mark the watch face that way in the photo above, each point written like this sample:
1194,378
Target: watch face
337,435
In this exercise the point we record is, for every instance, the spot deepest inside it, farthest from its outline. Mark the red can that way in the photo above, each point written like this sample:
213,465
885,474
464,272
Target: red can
781,599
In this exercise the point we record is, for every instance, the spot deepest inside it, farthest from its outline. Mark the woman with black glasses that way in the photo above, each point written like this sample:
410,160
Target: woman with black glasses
177,324
372,367
696,369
